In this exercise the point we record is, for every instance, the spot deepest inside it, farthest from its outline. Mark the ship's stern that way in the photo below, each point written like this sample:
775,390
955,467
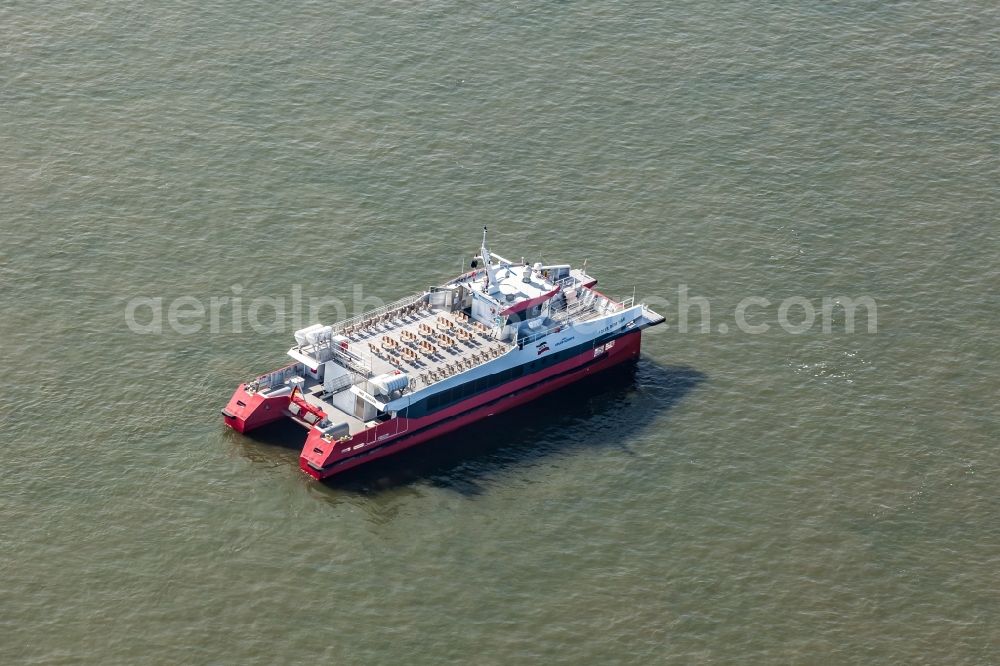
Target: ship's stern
318,453
248,410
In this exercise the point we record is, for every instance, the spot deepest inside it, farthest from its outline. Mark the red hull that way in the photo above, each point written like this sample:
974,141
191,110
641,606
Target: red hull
319,456
246,411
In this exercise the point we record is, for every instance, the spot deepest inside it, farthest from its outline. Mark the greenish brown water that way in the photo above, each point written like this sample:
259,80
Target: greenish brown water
735,498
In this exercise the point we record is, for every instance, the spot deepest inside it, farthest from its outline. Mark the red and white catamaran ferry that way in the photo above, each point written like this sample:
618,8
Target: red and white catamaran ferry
497,337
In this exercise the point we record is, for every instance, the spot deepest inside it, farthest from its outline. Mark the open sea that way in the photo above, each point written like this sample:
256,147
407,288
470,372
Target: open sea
180,182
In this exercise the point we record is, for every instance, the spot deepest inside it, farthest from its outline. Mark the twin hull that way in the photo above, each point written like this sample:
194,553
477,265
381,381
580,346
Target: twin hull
521,375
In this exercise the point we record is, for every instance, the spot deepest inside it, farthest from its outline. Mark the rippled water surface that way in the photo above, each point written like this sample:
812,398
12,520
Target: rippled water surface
734,498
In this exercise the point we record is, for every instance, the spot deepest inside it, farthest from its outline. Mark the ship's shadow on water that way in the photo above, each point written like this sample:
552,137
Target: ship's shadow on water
606,410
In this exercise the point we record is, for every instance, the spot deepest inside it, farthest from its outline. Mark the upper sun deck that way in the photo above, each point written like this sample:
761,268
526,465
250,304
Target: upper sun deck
425,342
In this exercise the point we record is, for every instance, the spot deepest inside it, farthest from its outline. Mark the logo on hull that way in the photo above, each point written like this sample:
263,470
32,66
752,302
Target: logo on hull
604,348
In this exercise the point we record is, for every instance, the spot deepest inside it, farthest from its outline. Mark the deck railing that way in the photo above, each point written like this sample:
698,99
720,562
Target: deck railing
275,377
566,313
588,301
395,305
356,362
339,385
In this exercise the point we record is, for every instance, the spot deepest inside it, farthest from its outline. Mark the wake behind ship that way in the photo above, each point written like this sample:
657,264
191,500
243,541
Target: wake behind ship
497,337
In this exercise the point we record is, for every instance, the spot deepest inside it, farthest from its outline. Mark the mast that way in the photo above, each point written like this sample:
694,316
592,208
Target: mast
484,254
